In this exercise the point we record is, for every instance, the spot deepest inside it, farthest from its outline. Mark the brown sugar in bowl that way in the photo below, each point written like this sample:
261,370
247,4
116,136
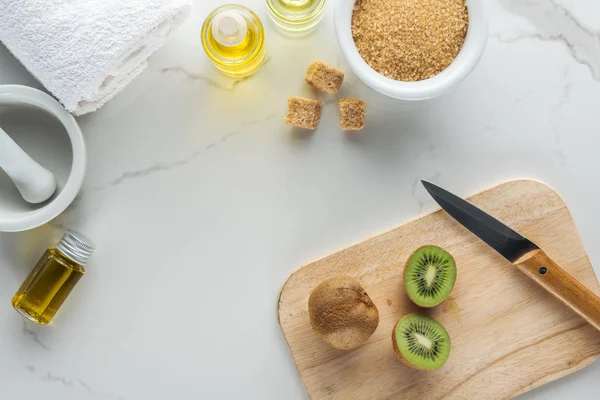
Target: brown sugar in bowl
431,87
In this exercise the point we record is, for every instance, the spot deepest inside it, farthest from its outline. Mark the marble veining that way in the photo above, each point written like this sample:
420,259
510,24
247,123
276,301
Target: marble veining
233,83
73,383
202,78
30,331
163,167
554,22
420,194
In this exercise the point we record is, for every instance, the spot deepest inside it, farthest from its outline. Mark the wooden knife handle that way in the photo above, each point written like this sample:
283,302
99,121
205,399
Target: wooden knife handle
546,273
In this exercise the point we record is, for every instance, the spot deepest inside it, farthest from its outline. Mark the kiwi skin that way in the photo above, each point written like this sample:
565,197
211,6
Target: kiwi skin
342,313
404,273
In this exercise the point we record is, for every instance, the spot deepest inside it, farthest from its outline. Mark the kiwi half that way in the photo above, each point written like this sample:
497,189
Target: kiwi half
342,313
429,276
421,342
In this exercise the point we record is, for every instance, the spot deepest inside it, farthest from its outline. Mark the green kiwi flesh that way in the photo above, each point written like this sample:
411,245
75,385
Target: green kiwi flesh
429,276
421,342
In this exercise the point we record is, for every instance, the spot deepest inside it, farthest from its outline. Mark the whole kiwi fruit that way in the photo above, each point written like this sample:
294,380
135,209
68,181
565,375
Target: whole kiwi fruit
429,276
421,342
342,313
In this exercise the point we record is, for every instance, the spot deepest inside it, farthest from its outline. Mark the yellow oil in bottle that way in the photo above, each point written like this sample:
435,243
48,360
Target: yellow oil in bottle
233,37
296,17
297,5
55,275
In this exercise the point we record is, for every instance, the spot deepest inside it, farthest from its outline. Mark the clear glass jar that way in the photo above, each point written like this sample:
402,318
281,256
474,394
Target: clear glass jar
53,278
233,38
296,18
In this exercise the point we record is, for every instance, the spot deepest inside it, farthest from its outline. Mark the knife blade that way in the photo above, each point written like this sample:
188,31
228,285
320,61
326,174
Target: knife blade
522,253
498,236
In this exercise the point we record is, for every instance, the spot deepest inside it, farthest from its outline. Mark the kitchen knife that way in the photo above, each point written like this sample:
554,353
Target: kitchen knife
522,253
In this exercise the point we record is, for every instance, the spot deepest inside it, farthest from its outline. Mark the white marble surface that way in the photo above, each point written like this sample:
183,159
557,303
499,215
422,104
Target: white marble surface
202,202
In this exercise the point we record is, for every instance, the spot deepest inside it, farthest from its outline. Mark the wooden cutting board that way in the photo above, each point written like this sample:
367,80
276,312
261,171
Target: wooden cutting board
508,335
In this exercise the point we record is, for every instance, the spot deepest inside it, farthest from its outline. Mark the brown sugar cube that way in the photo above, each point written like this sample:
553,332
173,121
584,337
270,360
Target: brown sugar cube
324,77
303,113
352,114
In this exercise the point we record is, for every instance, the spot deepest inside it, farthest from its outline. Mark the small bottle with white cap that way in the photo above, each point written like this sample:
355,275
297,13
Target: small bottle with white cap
234,39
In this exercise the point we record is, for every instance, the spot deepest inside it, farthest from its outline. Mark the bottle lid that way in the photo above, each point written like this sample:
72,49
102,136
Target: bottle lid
76,246
229,28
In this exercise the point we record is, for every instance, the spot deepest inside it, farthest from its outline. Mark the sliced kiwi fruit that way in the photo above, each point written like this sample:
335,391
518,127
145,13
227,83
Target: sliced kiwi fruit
429,276
421,342
342,313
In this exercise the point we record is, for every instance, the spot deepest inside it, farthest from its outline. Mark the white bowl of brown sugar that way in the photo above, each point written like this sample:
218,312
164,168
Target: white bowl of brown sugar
411,49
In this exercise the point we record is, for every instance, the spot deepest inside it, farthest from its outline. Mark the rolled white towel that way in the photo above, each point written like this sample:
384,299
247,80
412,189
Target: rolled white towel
86,51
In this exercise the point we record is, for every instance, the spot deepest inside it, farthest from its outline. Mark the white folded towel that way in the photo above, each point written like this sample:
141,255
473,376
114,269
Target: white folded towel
86,51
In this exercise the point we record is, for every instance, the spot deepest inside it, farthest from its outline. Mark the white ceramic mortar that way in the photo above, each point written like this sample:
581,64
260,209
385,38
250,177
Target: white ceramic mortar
51,136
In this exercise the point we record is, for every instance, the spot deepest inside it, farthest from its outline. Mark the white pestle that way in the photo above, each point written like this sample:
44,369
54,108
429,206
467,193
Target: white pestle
35,183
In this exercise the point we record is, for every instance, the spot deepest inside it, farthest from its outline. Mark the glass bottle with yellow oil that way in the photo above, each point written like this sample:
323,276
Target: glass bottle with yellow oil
233,37
54,276
296,18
